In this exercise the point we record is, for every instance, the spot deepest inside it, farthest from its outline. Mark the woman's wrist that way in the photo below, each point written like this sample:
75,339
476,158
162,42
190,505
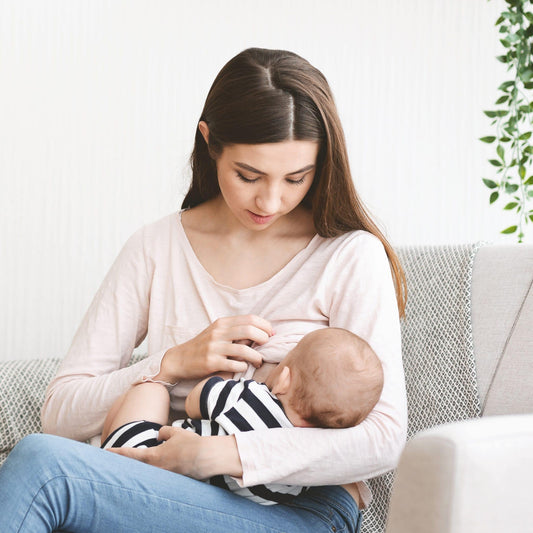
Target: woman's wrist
219,455
169,369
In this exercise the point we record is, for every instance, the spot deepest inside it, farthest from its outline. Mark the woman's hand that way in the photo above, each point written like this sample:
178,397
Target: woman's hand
187,453
216,349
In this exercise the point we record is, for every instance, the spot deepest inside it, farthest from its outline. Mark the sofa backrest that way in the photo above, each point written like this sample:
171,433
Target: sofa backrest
502,323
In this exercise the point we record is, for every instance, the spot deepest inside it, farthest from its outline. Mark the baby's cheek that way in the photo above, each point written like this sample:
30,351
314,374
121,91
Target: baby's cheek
262,373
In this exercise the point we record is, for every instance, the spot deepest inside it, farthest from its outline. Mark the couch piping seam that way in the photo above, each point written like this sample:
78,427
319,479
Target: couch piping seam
507,340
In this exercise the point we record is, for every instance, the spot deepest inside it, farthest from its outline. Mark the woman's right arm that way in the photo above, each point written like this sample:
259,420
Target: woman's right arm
94,372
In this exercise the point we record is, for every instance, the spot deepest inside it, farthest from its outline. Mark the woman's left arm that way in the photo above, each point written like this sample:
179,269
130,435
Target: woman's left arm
361,298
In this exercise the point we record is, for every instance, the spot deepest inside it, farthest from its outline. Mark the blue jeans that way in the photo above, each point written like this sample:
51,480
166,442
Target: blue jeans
50,484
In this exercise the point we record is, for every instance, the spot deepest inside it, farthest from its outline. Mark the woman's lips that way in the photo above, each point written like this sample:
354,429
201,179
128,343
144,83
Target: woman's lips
258,219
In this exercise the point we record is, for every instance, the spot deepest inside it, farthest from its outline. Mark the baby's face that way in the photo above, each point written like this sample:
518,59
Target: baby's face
262,374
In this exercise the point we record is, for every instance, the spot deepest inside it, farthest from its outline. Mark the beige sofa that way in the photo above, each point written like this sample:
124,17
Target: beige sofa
461,476
475,476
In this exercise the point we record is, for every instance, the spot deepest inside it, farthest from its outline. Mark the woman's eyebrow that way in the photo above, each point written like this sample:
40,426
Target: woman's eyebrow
244,166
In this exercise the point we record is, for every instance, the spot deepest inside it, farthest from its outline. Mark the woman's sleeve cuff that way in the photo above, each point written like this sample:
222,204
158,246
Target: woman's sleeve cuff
150,367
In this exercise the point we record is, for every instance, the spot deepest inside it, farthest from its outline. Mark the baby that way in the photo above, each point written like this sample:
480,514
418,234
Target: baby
331,379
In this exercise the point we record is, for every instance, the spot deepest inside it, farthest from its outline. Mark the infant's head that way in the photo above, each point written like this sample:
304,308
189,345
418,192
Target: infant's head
335,379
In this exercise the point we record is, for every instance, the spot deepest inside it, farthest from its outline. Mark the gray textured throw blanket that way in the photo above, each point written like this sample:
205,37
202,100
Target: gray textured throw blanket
437,348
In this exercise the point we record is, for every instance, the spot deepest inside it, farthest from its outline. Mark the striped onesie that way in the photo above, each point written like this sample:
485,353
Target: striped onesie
227,407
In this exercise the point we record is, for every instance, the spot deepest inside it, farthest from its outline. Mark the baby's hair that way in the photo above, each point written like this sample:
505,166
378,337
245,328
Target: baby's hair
337,378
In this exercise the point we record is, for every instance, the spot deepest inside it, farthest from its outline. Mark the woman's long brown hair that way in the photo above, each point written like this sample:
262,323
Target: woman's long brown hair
266,96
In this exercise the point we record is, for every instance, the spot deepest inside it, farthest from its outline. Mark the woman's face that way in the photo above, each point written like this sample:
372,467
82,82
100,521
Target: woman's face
261,183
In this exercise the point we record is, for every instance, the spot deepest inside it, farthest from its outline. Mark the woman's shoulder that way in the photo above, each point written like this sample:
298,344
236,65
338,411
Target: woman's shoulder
153,236
357,250
157,229
355,241
163,225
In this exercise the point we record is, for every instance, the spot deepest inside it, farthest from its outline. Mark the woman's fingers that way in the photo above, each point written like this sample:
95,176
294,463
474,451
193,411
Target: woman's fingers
161,456
242,352
215,349
254,322
166,432
144,455
247,332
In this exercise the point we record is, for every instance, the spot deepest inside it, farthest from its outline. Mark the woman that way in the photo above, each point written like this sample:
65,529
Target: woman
272,242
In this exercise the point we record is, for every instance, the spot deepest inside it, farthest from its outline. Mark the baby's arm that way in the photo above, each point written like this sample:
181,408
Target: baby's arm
192,402
144,401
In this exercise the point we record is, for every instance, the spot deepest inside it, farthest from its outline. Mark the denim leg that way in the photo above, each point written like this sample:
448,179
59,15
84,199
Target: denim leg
49,483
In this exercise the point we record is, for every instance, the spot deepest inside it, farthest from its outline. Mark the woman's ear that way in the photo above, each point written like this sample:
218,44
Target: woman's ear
204,130
282,382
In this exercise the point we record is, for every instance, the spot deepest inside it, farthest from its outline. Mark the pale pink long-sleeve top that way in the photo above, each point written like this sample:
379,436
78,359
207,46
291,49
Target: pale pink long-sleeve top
158,288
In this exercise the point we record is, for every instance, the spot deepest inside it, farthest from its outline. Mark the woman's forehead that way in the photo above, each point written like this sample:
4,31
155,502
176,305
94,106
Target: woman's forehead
285,157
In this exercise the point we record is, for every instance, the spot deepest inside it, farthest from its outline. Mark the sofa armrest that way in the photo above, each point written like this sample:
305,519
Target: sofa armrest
471,476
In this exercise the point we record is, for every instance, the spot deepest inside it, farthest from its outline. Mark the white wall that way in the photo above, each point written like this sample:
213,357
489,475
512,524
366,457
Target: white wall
99,101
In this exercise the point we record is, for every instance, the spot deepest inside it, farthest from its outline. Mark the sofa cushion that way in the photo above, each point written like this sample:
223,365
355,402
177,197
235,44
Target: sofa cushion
22,388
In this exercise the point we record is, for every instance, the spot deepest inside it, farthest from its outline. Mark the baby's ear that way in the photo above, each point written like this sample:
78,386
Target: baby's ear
283,382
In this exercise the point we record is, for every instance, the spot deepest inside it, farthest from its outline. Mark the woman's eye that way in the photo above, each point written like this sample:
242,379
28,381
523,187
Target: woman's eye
297,182
246,180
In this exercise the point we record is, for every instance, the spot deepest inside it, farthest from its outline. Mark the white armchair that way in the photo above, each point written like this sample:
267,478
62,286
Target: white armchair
473,476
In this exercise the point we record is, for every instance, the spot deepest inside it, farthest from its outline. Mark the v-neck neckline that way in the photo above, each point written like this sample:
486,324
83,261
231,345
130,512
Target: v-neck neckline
300,256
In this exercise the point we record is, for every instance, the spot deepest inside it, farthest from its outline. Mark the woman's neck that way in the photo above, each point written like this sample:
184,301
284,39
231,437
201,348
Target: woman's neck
238,257
216,219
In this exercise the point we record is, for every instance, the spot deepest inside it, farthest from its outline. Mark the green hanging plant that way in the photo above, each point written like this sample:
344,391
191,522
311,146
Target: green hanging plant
513,119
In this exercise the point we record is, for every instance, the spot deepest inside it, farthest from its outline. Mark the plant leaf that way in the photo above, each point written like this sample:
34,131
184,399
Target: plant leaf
529,181
490,184
526,75
510,205
488,139
503,98
510,229
510,188
495,162
493,197
505,85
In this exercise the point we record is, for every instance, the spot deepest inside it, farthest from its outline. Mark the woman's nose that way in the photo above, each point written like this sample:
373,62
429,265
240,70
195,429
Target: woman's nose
268,200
